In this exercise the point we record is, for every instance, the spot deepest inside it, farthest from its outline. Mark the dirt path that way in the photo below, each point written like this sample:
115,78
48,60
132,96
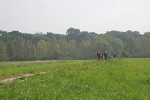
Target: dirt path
19,77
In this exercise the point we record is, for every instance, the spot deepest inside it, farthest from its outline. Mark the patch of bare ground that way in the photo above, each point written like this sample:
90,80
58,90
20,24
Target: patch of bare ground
6,80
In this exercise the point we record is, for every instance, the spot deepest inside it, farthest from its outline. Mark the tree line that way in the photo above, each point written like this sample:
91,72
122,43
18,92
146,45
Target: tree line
75,44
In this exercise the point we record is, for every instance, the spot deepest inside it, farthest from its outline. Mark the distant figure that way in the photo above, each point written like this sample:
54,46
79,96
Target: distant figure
105,55
114,56
98,55
101,55
109,55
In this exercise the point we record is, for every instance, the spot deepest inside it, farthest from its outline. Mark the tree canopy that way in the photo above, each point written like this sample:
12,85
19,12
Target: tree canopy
75,44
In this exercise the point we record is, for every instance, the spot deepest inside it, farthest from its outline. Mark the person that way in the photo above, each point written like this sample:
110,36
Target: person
109,55
105,55
114,56
101,55
98,55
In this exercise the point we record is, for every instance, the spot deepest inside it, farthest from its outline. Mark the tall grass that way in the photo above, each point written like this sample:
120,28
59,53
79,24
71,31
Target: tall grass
125,79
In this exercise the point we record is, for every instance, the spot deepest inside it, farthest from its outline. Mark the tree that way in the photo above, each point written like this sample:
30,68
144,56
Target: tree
17,48
72,34
42,50
29,50
75,44
3,53
125,54
72,49
53,48
147,34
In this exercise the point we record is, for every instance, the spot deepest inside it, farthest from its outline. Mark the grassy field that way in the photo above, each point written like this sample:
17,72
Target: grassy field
125,79
10,69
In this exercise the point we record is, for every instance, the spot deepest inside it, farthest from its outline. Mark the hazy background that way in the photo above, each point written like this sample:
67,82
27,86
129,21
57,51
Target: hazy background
57,16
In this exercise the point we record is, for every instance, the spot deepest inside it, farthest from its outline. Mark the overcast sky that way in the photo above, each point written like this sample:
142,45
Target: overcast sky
57,16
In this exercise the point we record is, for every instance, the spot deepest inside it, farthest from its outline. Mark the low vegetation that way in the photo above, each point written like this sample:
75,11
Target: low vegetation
125,79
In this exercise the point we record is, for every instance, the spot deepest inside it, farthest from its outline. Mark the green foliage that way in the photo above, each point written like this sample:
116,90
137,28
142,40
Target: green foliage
75,44
113,79
125,54
3,53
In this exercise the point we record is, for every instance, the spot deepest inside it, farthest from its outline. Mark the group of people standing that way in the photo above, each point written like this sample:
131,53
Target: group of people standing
101,55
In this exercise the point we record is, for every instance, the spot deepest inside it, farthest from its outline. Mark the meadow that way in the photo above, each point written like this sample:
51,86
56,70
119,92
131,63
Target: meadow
113,79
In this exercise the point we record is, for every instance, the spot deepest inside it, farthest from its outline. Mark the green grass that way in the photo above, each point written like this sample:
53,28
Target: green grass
125,79
11,69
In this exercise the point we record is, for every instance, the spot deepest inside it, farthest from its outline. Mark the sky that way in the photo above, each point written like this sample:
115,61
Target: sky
100,16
